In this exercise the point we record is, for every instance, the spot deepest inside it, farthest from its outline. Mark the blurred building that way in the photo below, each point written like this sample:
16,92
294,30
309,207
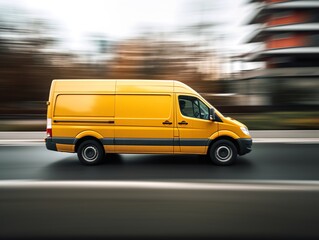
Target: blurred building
289,33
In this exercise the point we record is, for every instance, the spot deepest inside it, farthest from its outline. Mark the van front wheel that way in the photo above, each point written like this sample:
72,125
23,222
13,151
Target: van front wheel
223,152
90,152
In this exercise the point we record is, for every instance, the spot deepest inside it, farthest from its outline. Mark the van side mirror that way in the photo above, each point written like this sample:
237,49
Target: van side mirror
212,115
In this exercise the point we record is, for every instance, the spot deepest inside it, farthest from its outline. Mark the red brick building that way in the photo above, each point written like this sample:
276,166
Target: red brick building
289,31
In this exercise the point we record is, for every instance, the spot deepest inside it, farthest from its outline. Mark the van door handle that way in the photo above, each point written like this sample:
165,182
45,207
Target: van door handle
109,122
167,122
183,123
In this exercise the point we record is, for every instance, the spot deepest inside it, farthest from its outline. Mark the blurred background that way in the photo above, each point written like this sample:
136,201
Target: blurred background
255,60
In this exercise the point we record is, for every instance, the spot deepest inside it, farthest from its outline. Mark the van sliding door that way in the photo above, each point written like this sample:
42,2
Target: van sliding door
144,123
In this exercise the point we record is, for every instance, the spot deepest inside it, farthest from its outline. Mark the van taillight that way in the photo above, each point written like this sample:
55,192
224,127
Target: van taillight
49,127
49,132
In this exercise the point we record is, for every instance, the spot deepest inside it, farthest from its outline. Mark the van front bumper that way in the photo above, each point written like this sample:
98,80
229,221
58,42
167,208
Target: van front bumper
50,144
244,145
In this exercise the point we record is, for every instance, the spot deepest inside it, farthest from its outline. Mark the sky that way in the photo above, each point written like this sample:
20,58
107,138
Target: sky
120,19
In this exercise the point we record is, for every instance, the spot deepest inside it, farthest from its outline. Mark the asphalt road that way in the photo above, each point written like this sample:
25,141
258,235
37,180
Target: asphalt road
266,162
271,193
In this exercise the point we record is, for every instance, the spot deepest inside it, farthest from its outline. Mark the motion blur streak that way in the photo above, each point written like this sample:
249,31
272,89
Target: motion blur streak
228,185
184,211
261,81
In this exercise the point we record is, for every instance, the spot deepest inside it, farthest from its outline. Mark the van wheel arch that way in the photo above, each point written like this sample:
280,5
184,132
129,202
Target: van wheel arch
223,138
81,140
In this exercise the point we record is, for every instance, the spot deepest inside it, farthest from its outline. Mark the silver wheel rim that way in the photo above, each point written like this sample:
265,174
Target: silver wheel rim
223,153
90,153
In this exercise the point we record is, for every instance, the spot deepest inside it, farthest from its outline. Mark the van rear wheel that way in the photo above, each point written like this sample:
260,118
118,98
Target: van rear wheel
90,152
223,152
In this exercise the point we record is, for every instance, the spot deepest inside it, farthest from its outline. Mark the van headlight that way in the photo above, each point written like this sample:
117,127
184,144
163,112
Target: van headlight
245,130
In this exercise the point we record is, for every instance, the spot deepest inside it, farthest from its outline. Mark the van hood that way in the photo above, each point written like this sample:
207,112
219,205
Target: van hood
234,122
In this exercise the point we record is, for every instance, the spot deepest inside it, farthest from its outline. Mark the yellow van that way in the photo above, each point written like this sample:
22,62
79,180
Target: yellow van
93,117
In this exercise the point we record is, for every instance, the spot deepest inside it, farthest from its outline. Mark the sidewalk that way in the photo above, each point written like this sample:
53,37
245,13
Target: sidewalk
285,136
262,136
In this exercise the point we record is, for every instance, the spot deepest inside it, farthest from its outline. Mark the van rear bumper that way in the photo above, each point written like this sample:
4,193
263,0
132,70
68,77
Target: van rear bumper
244,145
50,144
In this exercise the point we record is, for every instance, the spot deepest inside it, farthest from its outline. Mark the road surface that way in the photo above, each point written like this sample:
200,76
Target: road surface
271,193
267,161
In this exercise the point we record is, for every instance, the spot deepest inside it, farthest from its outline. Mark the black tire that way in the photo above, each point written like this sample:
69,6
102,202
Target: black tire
223,153
90,152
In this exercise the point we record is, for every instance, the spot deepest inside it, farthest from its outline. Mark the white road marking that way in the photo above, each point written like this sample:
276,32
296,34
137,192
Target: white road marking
286,140
155,185
21,140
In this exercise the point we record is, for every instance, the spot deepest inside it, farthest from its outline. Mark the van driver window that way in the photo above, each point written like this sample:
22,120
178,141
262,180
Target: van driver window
193,107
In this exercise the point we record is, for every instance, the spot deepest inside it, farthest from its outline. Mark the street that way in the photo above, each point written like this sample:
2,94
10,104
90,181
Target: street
267,161
271,193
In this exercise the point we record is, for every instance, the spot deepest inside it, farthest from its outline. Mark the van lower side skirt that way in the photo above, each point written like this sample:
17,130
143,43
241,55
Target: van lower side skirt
139,141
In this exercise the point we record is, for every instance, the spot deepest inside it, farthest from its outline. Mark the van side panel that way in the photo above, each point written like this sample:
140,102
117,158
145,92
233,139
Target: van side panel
140,109
84,106
85,86
144,123
78,106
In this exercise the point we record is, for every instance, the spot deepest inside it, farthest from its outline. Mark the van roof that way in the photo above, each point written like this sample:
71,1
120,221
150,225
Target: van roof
119,85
